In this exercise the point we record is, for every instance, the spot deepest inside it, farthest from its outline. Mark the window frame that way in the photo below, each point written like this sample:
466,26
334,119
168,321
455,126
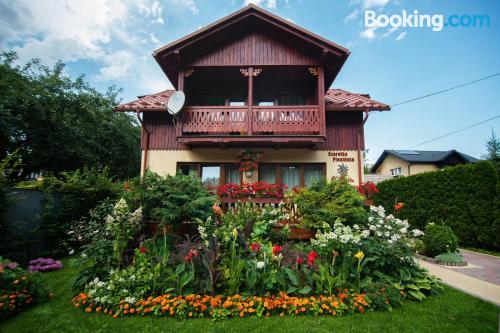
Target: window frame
279,176
222,172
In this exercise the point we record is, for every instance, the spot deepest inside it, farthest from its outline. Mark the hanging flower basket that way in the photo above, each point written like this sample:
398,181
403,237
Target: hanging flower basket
249,161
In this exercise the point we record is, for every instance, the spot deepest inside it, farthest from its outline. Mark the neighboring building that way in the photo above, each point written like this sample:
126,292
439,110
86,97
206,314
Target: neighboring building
410,162
254,80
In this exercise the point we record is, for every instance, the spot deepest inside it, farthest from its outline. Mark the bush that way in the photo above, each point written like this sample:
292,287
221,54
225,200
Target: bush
18,288
463,197
439,239
171,199
452,257
326,202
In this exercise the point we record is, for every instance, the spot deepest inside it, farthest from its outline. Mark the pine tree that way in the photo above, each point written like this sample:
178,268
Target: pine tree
493,148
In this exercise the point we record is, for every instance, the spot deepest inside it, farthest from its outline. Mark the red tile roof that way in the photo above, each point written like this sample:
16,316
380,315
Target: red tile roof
336,100
341,100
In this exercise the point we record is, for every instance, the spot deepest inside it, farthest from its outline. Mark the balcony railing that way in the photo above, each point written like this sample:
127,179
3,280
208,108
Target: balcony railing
255,120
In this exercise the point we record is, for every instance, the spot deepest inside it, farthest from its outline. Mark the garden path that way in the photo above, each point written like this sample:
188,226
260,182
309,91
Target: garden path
464,279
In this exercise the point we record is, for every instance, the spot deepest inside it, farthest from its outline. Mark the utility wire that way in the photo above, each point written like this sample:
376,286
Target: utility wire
448,89
456,131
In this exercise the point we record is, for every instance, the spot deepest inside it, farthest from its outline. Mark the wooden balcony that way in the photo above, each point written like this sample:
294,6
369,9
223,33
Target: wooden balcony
296,126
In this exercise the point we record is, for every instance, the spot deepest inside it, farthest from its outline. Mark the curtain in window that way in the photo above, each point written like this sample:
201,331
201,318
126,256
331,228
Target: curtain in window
291,176
189,169
312,173
267,173
232,174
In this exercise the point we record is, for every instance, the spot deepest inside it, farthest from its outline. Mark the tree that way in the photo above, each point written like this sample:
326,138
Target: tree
493,148
61,124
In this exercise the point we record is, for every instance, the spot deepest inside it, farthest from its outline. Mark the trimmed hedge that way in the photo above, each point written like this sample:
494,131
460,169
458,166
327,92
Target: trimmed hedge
464,197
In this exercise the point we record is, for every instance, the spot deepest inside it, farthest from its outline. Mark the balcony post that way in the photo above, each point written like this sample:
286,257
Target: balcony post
321,101
180,87
250,101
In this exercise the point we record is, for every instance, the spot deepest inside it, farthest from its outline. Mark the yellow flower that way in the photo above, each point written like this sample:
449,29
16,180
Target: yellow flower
235,232
360,255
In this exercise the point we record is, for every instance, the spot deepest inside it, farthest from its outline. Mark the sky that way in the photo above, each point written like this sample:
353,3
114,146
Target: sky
111,42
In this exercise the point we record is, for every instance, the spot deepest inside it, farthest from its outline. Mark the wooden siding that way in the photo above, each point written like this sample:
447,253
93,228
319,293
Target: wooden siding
162,133
253,49
341,130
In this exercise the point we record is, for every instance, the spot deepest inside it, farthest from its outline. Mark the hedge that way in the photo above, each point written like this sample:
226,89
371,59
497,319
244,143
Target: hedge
465,197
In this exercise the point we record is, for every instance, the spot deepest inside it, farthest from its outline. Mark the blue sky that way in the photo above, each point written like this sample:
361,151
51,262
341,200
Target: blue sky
111,41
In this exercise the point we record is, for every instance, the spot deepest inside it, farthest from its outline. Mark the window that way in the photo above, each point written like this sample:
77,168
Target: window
267,173
236,103
396,172
266,103
210,175
232,174
312,173
291,175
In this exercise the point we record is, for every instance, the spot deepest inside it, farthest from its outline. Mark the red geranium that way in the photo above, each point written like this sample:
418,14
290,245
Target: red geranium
311,258
191,254
299,260
255,247
399,206
367,189
277,249
142,249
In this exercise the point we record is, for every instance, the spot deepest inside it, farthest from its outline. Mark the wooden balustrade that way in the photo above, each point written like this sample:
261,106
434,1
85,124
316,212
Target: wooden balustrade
268,120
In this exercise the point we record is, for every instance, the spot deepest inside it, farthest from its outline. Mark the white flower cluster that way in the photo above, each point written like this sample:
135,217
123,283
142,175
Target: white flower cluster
387,228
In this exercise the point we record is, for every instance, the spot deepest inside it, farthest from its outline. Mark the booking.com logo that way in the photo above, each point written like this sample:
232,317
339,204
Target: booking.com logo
416,20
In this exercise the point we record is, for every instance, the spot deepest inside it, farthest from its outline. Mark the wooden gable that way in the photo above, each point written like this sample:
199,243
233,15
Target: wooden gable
255,48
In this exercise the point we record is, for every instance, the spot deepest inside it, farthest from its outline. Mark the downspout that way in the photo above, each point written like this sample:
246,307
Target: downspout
409,165
146,147
358,143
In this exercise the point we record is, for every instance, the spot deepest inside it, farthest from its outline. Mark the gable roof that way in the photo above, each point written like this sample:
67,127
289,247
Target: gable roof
335,100
169,57
422,156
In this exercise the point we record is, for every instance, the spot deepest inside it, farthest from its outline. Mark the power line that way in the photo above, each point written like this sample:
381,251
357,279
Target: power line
456,131
448,89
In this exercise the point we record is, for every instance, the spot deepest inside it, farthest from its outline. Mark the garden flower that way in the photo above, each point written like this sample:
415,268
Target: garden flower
142,249
255,247
277,249
399,206
235,232
191,254
217,210
360,255
300,261
311,258
260,265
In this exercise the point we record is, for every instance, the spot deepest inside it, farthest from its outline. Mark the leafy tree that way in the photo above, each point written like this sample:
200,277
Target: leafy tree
493,148
59,124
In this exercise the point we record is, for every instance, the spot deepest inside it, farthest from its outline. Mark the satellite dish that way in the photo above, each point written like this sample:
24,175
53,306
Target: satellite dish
176,102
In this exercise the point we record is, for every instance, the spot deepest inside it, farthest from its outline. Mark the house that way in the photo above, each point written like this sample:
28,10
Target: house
410,162
254,81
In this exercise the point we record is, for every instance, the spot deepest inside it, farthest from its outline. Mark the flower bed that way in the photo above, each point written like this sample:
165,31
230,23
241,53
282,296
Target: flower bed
44,265
18,288
255,190
220,307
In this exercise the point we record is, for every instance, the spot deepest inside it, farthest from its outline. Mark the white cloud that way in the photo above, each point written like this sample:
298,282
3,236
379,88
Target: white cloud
152,10
267,3
117,66
189,4
374,3
401,36
369,33
352,16
154,39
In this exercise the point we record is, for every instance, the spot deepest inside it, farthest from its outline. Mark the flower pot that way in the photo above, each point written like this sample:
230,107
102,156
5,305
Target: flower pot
249,174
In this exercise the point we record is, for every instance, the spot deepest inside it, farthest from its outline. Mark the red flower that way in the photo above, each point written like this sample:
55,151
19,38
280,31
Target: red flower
311,258
255,247
142,249
300,261
399,206
367,189
277,249
191,254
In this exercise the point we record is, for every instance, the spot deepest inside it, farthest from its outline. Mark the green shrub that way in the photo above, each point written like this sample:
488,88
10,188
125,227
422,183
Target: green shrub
328,201
170,200
439,239
452,257
463,197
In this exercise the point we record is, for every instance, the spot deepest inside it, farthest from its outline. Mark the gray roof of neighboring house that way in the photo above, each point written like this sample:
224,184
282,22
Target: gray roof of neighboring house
423,156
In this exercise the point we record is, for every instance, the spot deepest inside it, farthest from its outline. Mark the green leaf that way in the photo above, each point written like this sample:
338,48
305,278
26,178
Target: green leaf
306,290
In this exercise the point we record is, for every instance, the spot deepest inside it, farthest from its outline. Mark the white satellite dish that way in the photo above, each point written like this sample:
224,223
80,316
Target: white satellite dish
176,102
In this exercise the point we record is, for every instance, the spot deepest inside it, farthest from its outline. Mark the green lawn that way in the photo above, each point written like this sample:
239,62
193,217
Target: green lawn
452,312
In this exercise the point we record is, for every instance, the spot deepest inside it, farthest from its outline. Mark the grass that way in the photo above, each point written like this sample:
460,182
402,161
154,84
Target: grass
490,252
452,312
